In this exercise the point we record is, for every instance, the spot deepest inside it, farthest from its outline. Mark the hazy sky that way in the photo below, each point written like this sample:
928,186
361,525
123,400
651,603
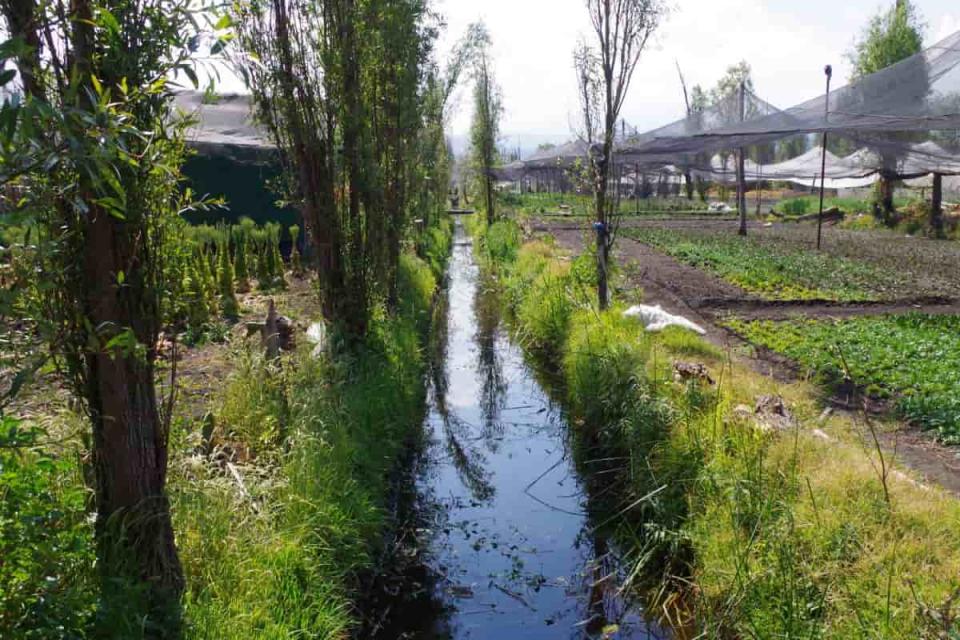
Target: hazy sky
786,42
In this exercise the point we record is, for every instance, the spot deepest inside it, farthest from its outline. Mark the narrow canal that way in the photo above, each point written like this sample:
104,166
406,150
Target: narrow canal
508,544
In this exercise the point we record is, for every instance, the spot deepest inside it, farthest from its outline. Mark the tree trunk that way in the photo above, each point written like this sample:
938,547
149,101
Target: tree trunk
355,301
602,225
603,293
887,208
134,532
936,206
488,192
688,184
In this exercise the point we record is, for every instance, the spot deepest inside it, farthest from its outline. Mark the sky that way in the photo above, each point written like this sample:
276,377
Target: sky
786,42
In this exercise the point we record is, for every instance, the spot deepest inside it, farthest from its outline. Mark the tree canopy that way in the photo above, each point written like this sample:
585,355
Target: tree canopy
891,36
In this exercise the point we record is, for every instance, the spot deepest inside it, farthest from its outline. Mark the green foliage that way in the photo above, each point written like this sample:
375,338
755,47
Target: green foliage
241,270
891,36
914,358
321,436
46,542
417,283
195,295
500,241
228,297
295,260
809,204
795,206
577,205
770,270
435,244
370,75
485,126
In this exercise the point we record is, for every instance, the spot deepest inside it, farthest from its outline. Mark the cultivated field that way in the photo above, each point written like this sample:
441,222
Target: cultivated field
875,311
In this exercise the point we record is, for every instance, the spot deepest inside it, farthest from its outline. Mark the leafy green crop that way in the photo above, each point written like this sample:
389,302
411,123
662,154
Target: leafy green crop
915,358
765,269
809,204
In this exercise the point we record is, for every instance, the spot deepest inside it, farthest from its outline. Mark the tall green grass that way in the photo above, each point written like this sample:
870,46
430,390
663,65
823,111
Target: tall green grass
280,557
737,530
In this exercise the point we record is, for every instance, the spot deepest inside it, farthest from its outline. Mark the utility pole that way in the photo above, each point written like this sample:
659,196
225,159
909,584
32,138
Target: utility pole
687,178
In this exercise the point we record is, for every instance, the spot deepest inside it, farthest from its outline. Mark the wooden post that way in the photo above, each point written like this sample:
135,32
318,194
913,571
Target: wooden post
759,190
828,70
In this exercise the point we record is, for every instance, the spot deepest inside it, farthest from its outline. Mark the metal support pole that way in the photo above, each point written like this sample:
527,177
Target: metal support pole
828,70
741,177
636,186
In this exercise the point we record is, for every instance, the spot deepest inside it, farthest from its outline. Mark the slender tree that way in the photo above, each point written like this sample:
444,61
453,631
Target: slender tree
485,129
93,149
288,56
621,29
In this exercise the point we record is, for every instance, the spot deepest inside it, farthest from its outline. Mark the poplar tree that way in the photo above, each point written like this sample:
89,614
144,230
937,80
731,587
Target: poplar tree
485,128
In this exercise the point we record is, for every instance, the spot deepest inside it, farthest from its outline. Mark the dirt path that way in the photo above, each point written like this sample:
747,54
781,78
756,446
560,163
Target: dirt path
705,299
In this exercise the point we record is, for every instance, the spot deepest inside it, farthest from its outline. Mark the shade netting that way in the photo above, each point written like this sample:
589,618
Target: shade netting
904,119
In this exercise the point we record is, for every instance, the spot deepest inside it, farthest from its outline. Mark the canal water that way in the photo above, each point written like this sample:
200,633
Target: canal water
507,542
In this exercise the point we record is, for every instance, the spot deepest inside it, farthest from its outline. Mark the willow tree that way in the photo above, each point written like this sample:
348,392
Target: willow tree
397,53
622,29
339,85
730,98
485,128
291,55
91,150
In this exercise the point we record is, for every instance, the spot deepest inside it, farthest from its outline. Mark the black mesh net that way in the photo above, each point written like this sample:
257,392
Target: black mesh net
904,121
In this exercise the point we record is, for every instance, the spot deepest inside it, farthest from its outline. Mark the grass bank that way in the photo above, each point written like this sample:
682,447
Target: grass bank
280,481
741,524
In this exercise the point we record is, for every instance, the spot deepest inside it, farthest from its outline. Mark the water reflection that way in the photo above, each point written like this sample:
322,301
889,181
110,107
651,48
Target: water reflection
493,387
506,538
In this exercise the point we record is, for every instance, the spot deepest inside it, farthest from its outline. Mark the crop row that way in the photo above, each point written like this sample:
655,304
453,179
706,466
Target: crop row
766,270
912,359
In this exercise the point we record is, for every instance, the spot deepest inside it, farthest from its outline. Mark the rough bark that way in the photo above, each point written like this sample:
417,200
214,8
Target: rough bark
134,531
885,186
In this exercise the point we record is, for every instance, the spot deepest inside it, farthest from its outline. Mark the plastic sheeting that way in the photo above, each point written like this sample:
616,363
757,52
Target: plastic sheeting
224,125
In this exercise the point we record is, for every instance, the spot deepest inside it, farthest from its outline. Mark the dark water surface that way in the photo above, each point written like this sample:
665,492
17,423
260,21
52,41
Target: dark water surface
506,545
